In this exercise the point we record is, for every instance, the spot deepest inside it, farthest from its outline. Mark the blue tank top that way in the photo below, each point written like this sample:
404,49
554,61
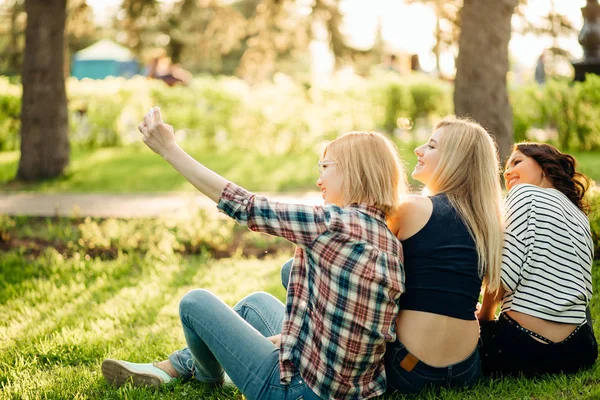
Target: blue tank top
440,262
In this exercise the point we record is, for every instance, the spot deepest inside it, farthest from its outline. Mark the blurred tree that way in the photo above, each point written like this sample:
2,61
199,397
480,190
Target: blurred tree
44,120
447,26
274,32
197,32
80,32
482,64
328,12
138,20
249,37
12,28
553,25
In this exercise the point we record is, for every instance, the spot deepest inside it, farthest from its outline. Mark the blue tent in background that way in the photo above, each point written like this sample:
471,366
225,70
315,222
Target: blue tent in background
102,59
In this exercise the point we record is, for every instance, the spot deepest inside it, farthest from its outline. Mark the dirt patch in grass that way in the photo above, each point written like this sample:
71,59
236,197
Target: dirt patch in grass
33,247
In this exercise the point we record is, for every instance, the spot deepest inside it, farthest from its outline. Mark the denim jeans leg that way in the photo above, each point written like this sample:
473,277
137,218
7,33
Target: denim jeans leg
183,363
217,336
285,272
260,309
263,311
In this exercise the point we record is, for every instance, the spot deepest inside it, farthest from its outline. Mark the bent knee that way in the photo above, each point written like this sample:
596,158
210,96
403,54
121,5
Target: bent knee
256,299
195,299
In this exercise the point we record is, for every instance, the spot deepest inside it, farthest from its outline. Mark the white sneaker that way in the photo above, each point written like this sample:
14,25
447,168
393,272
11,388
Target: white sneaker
118,372
227,382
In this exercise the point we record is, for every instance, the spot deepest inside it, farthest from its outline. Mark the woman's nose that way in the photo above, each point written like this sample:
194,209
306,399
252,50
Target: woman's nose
419,151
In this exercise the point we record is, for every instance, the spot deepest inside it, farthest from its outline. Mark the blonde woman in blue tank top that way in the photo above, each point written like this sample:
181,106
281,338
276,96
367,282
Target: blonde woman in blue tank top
452,242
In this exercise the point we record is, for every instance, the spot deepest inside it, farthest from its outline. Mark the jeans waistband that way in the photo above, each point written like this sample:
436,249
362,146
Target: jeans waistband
515,324
399,351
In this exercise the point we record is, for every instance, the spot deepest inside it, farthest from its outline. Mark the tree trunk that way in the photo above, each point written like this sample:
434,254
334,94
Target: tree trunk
44,119
480,88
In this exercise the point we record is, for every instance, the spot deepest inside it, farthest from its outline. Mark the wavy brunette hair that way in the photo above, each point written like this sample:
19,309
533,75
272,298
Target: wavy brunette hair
559,168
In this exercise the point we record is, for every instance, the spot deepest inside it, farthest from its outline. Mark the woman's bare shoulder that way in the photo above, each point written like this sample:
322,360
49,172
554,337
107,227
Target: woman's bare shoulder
413,210
414,203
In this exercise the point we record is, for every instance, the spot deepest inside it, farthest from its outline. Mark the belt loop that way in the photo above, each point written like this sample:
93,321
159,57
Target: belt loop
409,362
450,374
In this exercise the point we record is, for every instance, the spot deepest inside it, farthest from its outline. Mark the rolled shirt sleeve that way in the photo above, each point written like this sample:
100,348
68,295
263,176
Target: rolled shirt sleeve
300,224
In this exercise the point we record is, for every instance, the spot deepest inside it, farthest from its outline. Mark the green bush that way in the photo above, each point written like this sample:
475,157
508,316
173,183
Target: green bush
569,109
280,116
283,116
431,99
10,121
399,104
593,198
413,98
97,110
10,115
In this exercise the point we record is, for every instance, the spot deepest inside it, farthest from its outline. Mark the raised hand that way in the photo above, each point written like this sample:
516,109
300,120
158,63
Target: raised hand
157,135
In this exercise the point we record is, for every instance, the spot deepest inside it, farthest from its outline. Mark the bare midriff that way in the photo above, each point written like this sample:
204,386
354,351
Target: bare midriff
554,331
437,340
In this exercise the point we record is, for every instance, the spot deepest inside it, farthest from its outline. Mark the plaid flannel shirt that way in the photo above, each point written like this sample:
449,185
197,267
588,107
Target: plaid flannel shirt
342,295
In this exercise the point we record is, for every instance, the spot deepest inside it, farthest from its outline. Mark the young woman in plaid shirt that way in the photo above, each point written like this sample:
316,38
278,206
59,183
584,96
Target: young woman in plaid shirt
343,289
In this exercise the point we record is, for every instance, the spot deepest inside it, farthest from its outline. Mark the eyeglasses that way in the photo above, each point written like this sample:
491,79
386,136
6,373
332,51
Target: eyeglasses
321,165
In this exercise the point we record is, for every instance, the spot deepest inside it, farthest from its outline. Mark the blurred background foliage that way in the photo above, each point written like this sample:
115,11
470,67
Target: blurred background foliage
220,112
252,88
253,39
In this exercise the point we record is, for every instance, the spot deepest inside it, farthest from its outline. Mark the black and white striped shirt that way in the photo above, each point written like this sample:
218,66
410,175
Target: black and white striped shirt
547,256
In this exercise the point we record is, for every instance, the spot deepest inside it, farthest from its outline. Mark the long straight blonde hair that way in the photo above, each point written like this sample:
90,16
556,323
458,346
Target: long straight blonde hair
468,172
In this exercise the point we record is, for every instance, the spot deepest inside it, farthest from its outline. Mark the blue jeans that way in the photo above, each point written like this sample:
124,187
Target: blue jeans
219,337
460,375
285,272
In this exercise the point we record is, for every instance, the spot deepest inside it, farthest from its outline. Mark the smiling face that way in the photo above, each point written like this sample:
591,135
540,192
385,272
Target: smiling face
428,158
523,169
331,183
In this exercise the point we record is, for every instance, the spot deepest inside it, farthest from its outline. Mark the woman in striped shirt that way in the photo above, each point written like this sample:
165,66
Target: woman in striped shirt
546,270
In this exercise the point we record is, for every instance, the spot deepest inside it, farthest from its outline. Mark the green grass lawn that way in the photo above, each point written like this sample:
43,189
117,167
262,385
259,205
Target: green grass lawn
74,292
135,169
589,164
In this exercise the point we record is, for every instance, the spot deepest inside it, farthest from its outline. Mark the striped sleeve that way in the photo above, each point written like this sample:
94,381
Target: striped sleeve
517,236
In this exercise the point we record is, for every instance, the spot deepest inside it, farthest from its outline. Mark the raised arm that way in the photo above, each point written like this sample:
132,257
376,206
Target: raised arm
161,139
299,224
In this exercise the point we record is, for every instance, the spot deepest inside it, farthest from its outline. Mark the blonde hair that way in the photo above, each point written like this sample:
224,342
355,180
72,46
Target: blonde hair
371,168
468,172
